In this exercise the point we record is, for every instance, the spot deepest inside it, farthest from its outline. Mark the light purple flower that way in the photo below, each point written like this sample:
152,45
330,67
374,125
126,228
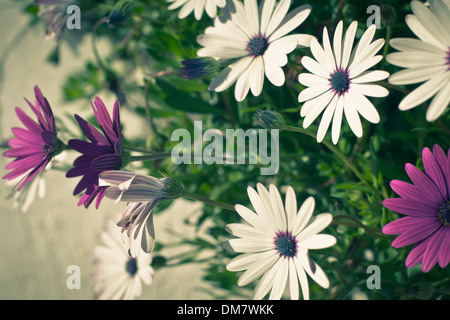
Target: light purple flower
103,152
426,204
34,146
143,194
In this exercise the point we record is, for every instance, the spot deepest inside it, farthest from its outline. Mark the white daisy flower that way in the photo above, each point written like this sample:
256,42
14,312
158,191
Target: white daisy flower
197,6
426,59
143,194
340,82
117,275
254,43
276,241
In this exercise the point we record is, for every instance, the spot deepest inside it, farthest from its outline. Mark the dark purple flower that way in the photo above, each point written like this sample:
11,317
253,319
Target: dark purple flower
34,146
103,152
426,204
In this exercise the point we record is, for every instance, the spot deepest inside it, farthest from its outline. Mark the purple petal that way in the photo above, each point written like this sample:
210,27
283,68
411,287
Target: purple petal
431,253
49,138
27,136
79,170
104,119
411,192
444,253
416,254
88,148
410,208
118,146
38,115
25,163
23,152
424,183
444,163
107,162
100,195
91,132
89,179
416,231
433,170
28,122
116,119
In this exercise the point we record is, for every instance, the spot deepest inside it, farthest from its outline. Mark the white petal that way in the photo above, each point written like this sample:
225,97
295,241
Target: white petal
303,279
316,225
303,216
415,75
278,208
280,280
312,92
309,80
291,207
293,281
371,90
348,43
337,43
441,10
356,70
365,108
408,44
439,103
423,92
326,119
228,76
413,59
266,282
266,9
291,21
247,260
261,203
315,271
419,30
265,261
337,120
277,16
252,218
245,231
318,241
351,114
257,76
316,107
248,245
371,76
314,67
251,10
330,61
274,73
222,52
429,21
320,55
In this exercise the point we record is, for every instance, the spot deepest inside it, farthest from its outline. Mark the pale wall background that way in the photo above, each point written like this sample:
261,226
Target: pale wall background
37,247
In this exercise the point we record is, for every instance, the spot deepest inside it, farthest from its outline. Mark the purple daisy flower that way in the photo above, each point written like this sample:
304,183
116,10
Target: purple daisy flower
103,152
33,146
426,204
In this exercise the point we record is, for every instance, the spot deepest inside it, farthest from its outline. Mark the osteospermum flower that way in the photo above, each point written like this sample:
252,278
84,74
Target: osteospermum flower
339,81
103,151
197,6
255,43
426,59
426,206
34,146
116,274
276,241
143,194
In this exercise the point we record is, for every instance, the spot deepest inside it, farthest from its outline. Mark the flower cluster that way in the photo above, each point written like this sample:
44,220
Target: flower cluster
337,69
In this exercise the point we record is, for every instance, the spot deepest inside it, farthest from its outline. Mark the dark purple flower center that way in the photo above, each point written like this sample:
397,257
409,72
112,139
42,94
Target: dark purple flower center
448,59
131,266
340,81
257,45
285,244
444,214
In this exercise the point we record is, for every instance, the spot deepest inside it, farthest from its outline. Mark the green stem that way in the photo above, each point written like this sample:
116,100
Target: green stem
206,200
357,223
150,157
337,152
386,45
